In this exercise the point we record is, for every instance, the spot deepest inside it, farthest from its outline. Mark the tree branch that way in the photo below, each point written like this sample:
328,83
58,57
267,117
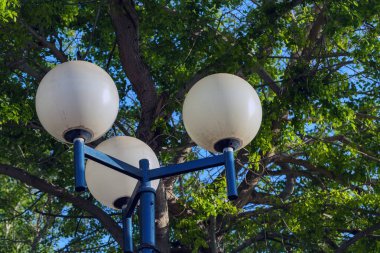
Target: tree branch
125,21
212,235
53,49
315,31
357,237
307,165
289,186
262,237
26,178
23,66
49,221
267,78
167,201
350,143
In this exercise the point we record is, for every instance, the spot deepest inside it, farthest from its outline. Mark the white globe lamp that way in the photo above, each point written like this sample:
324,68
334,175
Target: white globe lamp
77,99
110,187
221,111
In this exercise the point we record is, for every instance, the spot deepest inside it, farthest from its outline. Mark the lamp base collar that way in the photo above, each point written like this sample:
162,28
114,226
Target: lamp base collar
72,134
120,202
228,142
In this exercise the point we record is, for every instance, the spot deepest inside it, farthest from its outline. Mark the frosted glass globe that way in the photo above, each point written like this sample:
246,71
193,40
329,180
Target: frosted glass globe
111,187
77,97
222,110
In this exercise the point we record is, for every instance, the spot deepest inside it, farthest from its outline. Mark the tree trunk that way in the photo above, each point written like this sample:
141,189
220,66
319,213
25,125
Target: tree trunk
212,236
162,220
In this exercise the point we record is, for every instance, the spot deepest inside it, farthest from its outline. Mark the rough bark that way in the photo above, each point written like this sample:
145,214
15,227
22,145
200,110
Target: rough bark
212,235
162,219
126,23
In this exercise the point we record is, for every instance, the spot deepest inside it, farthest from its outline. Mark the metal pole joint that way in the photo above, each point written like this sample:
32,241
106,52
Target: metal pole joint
146,246
146,189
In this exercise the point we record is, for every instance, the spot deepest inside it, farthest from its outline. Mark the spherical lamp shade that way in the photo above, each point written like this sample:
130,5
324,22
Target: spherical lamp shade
77,99
222,110
110,187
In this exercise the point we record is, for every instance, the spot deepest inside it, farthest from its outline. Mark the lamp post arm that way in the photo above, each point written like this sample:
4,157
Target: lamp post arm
143,190
80,182
127,232
132,201
112,162
226,159
228,154
191,166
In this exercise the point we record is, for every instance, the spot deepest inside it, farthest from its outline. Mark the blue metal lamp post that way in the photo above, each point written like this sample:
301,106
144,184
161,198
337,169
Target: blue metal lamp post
143,190
221,113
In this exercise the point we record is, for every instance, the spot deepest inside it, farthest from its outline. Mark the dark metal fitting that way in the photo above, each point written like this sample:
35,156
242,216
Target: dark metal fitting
148,246
226,143
80,188
147,189
120,202
72,134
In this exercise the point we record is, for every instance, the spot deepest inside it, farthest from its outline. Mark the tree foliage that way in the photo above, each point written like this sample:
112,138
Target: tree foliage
307,183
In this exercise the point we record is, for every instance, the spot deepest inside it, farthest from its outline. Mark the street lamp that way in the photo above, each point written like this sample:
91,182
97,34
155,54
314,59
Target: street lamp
77,102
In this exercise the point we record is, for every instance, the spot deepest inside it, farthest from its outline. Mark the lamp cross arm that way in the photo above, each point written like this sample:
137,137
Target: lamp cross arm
191,166
112,162
129,207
